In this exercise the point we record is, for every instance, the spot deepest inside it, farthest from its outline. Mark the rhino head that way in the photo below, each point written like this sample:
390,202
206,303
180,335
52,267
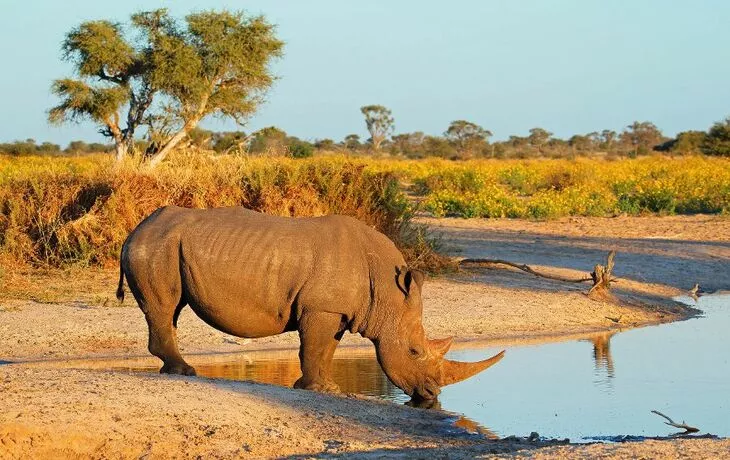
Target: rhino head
411,361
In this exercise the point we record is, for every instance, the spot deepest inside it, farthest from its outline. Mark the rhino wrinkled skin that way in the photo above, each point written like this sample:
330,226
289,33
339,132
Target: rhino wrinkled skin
253,275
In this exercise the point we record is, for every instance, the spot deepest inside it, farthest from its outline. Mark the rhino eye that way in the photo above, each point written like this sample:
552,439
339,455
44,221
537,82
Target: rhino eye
414,352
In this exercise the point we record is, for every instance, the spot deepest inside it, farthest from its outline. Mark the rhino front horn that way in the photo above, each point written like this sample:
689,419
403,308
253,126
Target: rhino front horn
455,371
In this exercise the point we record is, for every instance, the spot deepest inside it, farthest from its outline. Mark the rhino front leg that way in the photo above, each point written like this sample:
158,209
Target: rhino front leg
319,334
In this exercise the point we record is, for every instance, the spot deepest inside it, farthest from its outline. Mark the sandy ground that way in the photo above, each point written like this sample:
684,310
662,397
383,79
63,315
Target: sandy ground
675,250
47,318
494,306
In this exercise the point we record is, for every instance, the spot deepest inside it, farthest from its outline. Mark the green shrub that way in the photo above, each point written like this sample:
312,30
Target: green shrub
301,149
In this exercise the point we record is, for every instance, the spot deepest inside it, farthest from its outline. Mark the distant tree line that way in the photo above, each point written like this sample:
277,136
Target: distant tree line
464,139
31,147
267,141
461,140
158,77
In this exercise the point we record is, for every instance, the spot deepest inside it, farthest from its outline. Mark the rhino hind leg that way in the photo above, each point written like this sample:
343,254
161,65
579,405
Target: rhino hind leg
319,334
163,339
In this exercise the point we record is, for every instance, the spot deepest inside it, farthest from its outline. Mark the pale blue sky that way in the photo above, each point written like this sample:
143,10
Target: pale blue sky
570,66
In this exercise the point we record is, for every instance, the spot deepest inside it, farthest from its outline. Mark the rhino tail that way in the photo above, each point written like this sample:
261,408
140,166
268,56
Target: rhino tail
120,287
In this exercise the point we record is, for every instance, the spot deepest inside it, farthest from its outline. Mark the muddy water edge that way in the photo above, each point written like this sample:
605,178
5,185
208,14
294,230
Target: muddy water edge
600,387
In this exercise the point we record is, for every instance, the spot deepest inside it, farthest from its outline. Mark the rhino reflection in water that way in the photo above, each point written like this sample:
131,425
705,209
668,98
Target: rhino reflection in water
355,375
253,275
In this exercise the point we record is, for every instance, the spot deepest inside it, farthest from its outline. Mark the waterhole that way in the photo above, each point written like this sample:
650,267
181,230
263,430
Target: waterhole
602,386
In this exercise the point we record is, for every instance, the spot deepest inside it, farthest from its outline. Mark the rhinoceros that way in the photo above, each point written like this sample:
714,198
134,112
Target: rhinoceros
252,275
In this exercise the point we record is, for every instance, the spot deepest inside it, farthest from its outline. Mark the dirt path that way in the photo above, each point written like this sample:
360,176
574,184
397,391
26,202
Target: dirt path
51,411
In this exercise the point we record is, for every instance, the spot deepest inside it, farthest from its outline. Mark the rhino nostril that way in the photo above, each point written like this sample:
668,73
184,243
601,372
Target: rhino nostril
429,392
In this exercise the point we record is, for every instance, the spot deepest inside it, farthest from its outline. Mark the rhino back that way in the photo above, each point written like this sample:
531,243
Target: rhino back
252,275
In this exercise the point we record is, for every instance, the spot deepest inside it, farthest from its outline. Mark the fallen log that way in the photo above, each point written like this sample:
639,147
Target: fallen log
524,268
602,275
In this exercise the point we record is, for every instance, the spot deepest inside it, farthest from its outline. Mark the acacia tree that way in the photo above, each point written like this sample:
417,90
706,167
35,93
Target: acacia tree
607,138
539,137
169,78
641,136
717,141
352,142
111,75
380,123
467,135
217,65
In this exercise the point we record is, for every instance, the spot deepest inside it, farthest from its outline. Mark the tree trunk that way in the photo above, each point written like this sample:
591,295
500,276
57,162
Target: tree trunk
189,125
174,140
129,143
602,277
120,148
377,140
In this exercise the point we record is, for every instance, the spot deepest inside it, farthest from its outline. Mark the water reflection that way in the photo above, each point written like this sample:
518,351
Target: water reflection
558,389
361,375
602,358
602,352
462,422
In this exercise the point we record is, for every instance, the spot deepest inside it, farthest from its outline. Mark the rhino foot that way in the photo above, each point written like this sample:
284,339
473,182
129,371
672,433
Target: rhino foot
178,369
322,387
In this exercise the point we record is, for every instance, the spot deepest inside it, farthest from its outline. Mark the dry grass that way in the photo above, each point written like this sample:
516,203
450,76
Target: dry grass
77,211
63,212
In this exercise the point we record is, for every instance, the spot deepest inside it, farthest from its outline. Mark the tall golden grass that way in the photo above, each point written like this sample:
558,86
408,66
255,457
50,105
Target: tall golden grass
60,212
78,211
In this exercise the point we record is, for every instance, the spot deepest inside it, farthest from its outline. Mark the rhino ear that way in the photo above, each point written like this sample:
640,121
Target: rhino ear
405,279
418,276
400,279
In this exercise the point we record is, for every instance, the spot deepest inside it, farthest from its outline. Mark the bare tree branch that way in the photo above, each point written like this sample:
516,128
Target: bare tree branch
682,426
524,268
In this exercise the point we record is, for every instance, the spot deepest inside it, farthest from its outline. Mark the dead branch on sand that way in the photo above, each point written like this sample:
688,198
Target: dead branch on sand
682,426
524,268
601,276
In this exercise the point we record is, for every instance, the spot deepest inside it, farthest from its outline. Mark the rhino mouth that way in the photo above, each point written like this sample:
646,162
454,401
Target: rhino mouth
425,392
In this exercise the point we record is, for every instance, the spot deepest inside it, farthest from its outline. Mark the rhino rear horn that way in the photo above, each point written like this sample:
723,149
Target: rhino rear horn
455,371
440,346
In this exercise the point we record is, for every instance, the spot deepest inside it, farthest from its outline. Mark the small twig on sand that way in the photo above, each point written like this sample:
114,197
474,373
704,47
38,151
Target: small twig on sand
683,426
524,268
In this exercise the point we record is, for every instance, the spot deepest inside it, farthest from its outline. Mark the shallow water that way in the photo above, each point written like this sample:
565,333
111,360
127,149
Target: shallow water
608,386
605,385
